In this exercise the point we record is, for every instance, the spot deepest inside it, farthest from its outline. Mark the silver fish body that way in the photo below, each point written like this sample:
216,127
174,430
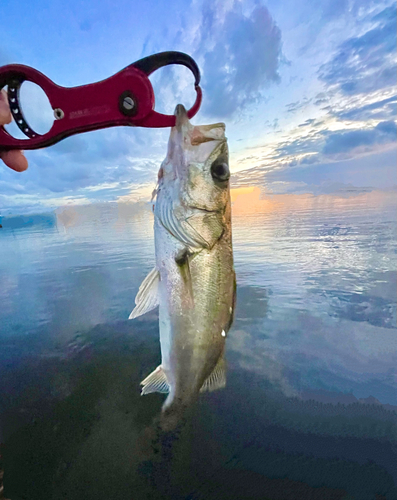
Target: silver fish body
193,281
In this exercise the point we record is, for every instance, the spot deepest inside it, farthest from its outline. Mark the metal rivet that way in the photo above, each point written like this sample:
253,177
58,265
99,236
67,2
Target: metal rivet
58,113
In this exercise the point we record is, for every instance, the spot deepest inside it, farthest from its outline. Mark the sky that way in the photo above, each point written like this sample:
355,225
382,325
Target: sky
307,92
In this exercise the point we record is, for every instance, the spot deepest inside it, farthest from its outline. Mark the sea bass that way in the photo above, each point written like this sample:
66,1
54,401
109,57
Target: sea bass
193,281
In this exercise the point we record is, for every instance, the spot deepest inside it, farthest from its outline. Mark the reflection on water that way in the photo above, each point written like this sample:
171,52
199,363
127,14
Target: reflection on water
309,407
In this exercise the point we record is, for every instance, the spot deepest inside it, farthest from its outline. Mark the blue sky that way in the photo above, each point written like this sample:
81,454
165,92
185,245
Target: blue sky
307,91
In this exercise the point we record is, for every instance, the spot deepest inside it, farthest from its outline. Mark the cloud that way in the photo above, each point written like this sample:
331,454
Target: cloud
346,141
238,48
100,158
376,170
310,159
383,109
365,63
317,143
99,165
332,9
314,154
307,143
299,187
7,187
296,106
240,54
308,122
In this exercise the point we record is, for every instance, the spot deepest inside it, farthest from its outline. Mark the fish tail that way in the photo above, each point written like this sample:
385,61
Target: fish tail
174,413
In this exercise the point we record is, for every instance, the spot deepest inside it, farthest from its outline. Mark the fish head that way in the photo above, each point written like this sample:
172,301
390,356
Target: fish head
198,163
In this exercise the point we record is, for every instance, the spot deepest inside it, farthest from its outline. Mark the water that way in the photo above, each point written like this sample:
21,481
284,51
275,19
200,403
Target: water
310,407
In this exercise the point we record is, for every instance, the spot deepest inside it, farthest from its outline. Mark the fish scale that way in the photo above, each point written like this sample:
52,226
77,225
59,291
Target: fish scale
195,286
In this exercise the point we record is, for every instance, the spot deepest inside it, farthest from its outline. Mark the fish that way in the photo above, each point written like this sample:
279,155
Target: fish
193,281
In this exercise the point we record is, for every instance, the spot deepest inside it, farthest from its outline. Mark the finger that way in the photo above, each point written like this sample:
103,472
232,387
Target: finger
15,159
5,113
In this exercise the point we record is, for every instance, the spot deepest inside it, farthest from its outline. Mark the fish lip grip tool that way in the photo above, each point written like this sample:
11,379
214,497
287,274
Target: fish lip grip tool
126,98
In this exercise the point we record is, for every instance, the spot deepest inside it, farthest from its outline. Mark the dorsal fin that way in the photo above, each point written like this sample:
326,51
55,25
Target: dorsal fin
155,382
217,379
147,297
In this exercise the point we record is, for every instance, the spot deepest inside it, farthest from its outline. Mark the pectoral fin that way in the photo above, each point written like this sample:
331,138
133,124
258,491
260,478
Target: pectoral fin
147,296
155,382
217,379
182,261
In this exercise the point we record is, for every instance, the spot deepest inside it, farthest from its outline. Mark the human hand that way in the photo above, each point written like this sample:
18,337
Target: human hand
14,159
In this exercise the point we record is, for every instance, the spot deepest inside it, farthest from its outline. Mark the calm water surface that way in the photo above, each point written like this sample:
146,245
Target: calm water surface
309,410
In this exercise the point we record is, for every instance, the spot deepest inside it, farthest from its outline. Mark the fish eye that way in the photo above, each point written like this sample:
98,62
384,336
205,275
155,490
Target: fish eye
220,170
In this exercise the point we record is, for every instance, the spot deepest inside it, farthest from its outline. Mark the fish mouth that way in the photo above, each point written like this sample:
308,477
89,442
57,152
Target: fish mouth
202,209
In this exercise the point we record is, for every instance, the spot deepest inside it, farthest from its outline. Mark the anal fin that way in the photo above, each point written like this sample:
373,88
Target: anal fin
155,382
217,379
147,296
